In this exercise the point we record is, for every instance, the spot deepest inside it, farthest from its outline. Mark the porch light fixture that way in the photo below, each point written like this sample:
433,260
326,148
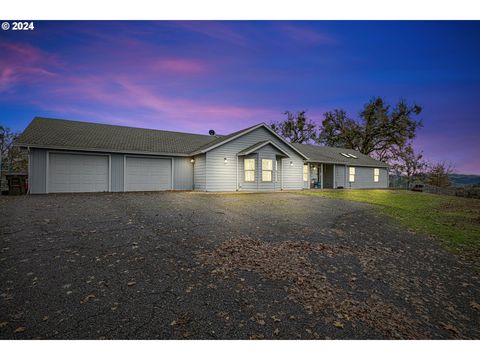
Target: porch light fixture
225,160
291,163
192,160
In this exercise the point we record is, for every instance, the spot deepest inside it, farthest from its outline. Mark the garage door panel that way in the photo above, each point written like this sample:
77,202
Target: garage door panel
148,174
78,173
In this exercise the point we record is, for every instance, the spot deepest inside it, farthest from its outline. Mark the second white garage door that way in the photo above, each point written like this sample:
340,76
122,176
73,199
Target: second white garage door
148,174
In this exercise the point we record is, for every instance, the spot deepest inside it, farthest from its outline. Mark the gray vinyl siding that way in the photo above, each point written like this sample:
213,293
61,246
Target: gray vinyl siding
183,173
38,171
292,175
199,173
364,178
222,176
117,163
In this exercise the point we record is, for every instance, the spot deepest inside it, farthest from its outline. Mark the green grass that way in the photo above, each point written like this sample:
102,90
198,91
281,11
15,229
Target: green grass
453,220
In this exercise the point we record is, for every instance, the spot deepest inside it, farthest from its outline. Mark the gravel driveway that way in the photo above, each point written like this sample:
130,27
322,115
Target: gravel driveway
224,266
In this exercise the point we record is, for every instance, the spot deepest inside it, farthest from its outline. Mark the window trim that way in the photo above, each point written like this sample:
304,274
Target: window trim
376,175
351,174
245,170
270,171
305,174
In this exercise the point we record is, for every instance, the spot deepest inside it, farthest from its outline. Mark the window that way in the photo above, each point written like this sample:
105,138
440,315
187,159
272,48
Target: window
249,167
351,174
376,175
267,169
305,172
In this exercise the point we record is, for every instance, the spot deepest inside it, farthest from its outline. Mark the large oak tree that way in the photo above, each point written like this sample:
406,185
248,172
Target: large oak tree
380,131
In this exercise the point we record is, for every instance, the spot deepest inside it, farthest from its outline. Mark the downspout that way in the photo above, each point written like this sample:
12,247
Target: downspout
28,170
346,177
258,170
321,176
1,172
236,175
281,174
334,177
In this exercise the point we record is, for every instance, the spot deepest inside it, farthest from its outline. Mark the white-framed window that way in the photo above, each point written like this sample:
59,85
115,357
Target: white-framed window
249,168
305,172
351,174
376,175
267,170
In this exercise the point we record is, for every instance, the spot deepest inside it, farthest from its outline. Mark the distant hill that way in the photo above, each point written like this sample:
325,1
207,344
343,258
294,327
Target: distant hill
462,180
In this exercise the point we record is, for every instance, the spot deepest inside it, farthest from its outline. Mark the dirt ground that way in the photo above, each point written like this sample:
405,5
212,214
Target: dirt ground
224,266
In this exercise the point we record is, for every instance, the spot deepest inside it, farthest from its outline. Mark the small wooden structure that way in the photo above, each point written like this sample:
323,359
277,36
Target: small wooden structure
17,183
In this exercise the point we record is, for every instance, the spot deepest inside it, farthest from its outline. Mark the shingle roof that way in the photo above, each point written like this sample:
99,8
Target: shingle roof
333,155
55,133
67,134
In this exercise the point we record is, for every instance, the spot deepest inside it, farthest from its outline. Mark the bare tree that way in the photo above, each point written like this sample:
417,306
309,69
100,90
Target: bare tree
406,162
297,128
12,159
438,174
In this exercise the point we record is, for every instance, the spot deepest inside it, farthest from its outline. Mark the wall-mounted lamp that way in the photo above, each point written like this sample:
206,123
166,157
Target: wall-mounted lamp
291,163
225,160
192,160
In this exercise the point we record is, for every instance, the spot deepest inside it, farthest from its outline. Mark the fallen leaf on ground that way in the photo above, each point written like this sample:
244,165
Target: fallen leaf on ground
3,323
450,327
474,305
338,324
131,283
275,318
19,329
88,297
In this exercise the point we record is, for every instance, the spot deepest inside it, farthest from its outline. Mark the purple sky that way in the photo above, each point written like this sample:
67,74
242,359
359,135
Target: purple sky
196,76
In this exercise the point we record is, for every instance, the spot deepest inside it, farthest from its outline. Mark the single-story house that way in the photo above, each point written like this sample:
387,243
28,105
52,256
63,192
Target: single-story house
74,156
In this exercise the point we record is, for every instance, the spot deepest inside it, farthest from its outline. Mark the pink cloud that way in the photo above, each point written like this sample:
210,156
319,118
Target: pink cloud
23,63
123,101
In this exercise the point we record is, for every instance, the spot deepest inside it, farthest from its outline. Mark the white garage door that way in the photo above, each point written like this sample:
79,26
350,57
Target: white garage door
148,174
77,173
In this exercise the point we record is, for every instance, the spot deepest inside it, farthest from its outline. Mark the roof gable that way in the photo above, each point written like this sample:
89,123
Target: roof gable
236,135
260,145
